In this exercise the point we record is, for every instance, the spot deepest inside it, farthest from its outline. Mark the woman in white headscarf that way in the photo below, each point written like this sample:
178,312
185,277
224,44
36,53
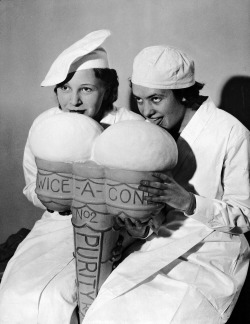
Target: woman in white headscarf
39,283
194,266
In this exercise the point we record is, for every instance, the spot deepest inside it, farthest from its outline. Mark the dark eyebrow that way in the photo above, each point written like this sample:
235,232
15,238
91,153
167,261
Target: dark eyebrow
151,96
154,95
81,85
88,85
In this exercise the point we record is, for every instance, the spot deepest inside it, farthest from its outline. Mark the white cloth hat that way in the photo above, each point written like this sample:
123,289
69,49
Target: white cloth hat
84,54
163,67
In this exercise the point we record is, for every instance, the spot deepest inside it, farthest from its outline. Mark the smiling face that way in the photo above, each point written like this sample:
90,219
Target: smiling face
83,93
159,106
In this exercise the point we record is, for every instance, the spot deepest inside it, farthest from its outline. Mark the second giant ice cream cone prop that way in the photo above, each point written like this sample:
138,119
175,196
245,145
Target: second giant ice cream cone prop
94,237
56,142
130,151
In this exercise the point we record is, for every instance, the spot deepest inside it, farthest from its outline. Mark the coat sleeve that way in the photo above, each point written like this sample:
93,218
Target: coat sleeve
231,214
29,164
30,173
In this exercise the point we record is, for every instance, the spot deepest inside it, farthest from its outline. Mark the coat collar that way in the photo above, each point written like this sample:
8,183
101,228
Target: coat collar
193,129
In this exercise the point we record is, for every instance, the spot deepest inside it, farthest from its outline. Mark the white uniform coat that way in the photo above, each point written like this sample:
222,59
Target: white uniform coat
192,273
38,285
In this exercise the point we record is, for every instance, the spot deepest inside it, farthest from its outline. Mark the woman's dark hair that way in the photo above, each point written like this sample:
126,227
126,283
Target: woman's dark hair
190,97
110,79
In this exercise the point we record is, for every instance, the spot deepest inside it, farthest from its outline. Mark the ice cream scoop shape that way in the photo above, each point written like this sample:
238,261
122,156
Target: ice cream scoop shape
136,145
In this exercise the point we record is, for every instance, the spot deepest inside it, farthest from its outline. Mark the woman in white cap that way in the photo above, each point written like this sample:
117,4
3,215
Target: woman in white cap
39,284
192,269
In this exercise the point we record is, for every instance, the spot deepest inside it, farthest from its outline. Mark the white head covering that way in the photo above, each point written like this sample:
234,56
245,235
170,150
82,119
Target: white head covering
163,67
84,54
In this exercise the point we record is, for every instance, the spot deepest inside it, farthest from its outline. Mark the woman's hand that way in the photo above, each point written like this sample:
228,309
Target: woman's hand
166,190
129,233
135,228
117,252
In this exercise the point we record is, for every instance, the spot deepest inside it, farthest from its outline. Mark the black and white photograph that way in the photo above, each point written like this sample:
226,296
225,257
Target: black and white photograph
125,161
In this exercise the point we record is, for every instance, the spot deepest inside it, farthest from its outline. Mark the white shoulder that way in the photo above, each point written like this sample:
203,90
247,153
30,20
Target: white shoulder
120,114
126,114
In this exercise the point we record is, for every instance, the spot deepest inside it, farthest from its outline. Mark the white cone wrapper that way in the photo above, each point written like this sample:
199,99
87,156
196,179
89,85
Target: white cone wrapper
163,67
84,54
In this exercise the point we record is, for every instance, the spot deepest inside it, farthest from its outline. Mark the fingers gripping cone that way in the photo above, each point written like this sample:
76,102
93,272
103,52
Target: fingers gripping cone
124,199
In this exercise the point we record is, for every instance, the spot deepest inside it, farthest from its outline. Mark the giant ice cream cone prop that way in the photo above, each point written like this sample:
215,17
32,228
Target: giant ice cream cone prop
94,237
65,181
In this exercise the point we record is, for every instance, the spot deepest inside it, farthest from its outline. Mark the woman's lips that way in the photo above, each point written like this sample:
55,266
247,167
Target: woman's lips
77,111
156,121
